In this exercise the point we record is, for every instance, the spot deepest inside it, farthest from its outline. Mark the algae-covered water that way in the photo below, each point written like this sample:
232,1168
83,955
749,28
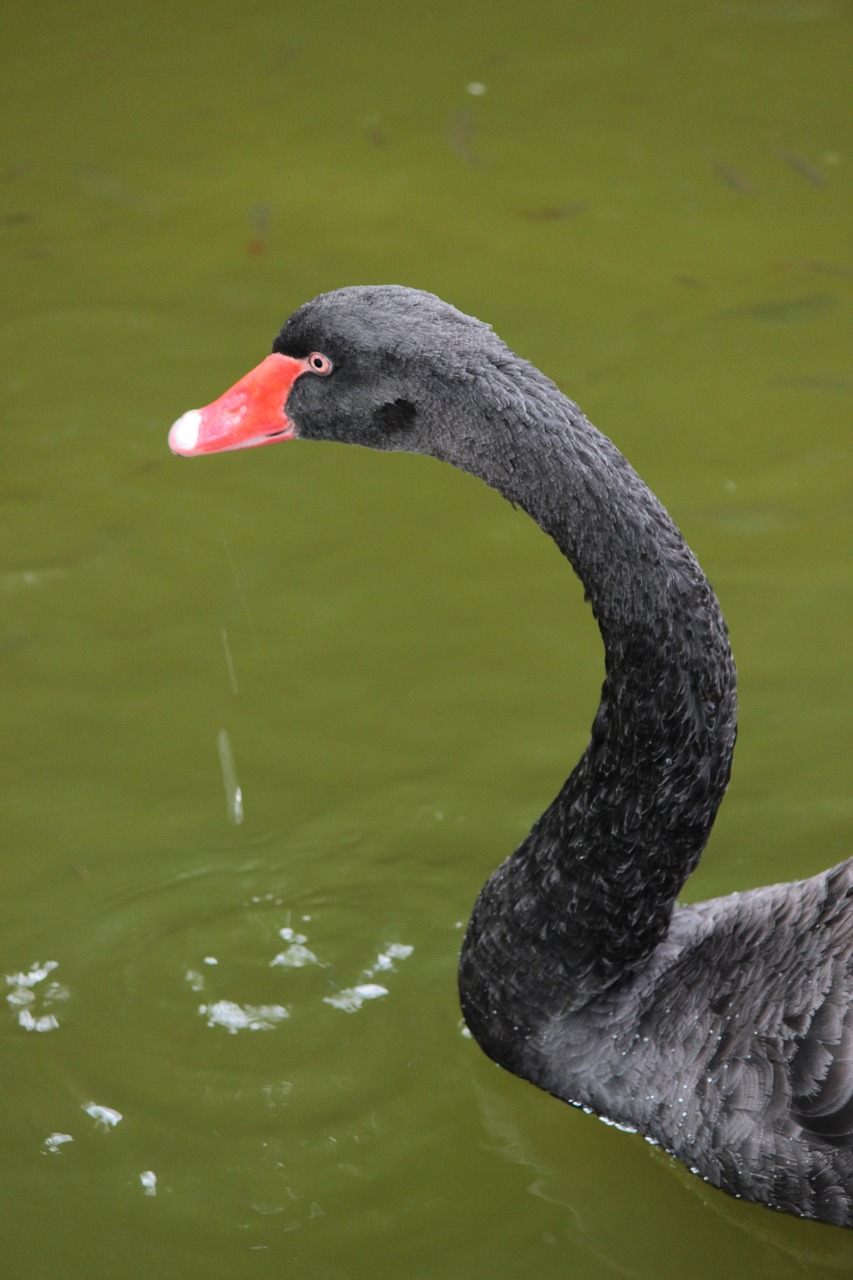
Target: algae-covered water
270,719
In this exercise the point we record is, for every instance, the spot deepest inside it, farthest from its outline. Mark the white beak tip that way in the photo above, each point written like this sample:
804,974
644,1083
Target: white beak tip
183,435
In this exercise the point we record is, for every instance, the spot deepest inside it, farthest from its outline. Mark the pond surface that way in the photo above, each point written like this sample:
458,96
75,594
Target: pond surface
272,718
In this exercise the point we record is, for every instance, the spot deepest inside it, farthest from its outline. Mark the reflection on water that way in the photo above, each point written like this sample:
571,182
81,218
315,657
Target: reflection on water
57,1141
769,1244
105,1118
31,1001
236,1017
233,793
352,998
130,1001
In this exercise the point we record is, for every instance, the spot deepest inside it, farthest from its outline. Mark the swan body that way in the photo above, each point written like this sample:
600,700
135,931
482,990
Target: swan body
722,1030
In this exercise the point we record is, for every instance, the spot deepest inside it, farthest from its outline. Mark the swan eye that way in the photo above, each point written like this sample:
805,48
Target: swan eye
318,363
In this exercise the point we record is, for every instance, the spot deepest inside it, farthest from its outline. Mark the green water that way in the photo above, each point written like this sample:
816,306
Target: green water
652,202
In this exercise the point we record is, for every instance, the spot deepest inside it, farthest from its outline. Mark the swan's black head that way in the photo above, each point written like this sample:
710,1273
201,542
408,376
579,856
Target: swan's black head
376,365
393,351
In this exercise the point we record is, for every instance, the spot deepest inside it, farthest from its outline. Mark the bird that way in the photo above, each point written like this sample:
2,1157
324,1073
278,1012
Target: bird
722,1030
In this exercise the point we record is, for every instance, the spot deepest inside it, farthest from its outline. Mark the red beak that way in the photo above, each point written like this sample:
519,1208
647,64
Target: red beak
252,412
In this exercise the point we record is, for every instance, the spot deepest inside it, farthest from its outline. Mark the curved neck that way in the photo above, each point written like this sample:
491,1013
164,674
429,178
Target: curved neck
589,894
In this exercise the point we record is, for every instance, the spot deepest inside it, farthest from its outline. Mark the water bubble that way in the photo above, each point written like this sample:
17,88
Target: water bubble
105,1117
354,997
57,1140
235,1017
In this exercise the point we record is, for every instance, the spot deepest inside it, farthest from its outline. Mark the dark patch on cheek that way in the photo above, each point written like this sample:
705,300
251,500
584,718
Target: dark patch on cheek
396,415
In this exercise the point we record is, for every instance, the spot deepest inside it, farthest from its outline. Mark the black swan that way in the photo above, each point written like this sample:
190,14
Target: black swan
722,1030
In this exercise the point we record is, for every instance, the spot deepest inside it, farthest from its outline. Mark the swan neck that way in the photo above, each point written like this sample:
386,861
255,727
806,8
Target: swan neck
589,894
